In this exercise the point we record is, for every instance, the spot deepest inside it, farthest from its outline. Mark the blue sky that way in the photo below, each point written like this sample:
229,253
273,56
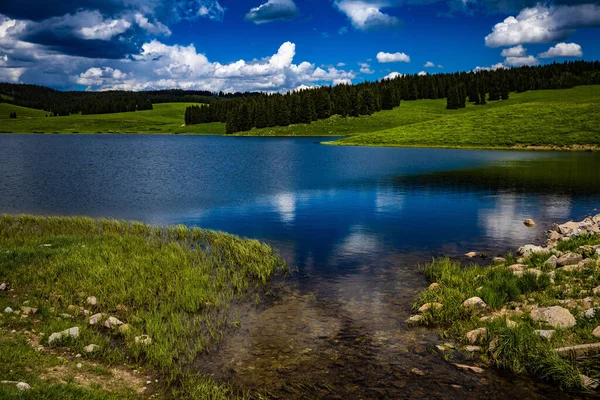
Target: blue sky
280,45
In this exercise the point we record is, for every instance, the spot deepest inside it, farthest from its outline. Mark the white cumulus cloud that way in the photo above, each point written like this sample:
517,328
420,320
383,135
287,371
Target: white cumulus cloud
517,51
393,75
542,24
392,57
429,64
366,15
563,50
105,30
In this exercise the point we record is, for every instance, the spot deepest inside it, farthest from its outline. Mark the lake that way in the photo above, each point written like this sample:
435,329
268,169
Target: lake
353,223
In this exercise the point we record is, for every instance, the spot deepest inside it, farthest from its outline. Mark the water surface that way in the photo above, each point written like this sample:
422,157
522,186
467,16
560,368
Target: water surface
355,222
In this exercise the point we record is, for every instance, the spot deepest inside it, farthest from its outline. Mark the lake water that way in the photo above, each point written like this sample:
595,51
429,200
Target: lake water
354,222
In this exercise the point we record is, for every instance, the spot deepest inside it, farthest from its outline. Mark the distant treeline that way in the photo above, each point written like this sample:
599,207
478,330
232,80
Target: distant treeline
302,107
58,103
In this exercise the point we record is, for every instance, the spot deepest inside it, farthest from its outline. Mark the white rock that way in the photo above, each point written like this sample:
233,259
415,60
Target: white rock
2,286
56,336
428,306
92,300
589,313
529,249
474,302
23,386
79,365
90,348
556,316
472,349
8,310
146,340
96,318
545,333
71,332
112,323
471,254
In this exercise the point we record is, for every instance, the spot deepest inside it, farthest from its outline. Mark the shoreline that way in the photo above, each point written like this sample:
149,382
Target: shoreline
536,313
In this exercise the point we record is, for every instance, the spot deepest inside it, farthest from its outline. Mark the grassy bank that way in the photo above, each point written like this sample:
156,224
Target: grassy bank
550,118
176,285
164,118
506,329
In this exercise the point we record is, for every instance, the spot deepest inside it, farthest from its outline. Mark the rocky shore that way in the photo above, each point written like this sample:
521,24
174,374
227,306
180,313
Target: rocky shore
536,313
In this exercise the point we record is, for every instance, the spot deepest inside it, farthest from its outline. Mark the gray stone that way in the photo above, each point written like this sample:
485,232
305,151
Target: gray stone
569,259
556,316
112,323
23,386
474,302
8,310
551,262
96,318
476,335
90,348
546,334
2,286
529,249
589,313
92,300
579,350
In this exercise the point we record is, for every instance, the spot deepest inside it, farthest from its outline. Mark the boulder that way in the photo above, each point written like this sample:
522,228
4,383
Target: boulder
568,229
112,323
553,236
476,335
555,316
569,259
474,302
545,333
529,222
428,306
92,300
551,262
529,249
579,350
90,348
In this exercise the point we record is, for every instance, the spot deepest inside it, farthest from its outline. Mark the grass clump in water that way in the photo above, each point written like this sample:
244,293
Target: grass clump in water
177,285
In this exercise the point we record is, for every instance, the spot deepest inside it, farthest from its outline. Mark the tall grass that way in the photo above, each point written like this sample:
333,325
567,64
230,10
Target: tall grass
176,284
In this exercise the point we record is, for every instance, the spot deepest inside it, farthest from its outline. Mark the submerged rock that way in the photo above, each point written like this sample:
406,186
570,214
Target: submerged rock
556,316
529,222
471,254
470,368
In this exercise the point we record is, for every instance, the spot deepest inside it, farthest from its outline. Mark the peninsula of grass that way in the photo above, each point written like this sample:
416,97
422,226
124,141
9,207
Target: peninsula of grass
509,325
546,119
175,289
164,118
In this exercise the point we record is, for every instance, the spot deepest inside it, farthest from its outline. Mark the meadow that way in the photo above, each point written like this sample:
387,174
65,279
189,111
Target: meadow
545,119
164,118
177,285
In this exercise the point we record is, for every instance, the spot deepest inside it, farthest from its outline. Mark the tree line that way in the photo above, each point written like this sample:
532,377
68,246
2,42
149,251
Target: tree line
59,103
302,107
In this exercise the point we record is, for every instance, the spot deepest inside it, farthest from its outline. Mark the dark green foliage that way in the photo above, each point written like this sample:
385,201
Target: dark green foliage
13,114
454,101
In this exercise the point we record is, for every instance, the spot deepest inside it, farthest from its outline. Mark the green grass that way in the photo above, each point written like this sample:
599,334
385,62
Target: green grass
517,348
178,285
540,118
164,118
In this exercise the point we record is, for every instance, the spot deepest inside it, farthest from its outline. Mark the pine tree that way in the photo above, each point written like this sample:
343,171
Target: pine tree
453,102
387,98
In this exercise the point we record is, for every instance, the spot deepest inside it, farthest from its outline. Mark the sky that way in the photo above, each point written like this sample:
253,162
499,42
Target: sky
281,45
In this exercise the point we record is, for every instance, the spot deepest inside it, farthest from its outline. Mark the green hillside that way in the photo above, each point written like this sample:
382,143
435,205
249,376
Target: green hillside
164,118
542,118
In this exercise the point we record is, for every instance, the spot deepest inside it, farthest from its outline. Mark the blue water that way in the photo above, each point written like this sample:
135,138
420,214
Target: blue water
355,222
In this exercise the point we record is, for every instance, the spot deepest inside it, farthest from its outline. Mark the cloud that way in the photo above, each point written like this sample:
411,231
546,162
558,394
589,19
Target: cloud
343,30
390,58
272,10
422,73
517,51
159,65
365,68
156,28
563,50
365,15
210,9
341,64
492,68
393,75
520,61
542,24
429,64
105,30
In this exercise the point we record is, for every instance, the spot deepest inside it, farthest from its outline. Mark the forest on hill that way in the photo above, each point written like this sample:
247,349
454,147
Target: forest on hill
58,103
303,107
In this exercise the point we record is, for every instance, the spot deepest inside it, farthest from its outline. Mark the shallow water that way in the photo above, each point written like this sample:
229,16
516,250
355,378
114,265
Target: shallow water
355,222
